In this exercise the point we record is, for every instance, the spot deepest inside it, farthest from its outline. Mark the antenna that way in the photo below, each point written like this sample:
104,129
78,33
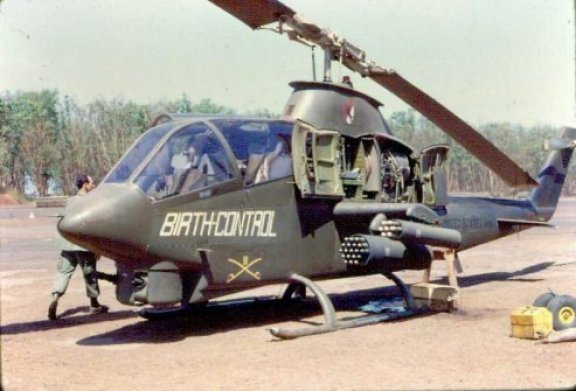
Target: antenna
327,65
313,63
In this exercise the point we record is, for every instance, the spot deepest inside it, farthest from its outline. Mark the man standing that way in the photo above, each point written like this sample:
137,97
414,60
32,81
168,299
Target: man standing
71,256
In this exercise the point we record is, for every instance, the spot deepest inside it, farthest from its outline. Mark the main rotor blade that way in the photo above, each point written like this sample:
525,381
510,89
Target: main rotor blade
455,127
255,13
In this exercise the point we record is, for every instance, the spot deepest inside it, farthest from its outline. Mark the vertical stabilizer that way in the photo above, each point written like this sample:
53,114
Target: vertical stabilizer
552,176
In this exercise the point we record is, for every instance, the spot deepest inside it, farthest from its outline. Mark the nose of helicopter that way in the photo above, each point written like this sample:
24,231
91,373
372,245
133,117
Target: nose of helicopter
110,219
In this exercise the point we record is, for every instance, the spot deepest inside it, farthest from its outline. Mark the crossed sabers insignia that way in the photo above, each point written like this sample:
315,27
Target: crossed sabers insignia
244,266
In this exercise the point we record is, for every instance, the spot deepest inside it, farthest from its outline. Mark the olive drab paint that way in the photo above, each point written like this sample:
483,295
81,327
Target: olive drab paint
326,191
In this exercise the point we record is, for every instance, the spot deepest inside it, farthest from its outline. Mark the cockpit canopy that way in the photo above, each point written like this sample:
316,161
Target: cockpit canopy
180,157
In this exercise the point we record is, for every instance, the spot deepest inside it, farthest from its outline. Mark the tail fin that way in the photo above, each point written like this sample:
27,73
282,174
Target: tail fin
551,178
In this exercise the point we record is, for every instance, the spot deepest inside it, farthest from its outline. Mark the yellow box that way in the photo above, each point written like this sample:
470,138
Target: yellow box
531,322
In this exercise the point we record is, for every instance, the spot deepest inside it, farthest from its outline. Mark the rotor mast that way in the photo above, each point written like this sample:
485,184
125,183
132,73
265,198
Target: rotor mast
335,48
339,49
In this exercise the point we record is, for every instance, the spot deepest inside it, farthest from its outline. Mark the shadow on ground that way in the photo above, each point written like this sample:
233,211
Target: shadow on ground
517,276
260,312
238,314
233,315
67,319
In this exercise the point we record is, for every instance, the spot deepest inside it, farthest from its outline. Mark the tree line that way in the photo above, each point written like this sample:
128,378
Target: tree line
466,173
48,139
45,139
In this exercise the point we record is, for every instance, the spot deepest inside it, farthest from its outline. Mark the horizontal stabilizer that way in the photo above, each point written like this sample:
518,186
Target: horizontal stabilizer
531,223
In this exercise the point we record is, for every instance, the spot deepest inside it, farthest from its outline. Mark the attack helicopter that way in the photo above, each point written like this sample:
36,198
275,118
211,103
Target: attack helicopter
204,206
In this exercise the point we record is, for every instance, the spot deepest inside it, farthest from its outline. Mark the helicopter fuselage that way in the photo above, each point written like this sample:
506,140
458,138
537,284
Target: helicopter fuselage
200,207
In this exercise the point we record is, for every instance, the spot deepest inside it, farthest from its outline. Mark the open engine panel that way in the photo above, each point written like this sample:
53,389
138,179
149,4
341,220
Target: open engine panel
379,169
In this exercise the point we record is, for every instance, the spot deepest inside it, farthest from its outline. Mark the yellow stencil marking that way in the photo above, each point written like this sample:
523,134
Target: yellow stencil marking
244,266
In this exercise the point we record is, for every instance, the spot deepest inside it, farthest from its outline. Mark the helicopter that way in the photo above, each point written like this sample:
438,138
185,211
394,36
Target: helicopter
204,206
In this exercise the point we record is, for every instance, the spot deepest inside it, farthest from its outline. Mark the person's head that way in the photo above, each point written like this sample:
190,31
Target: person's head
84,182
191,151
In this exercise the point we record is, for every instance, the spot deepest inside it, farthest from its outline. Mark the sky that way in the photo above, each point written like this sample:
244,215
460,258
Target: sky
486,60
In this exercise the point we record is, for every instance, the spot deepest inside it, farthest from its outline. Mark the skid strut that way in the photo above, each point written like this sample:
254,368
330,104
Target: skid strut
331,323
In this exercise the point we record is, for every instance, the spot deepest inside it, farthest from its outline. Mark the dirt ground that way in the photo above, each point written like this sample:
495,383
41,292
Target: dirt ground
229,347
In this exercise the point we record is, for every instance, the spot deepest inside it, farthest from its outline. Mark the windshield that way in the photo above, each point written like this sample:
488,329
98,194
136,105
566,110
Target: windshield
252,136
192,159
261,147
135,155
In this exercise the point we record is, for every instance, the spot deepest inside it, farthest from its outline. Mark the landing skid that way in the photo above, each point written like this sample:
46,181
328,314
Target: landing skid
296,290
331,323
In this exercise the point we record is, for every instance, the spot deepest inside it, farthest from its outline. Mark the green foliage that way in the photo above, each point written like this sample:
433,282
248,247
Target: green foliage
29,131
465,172
206,106
184,105
47,139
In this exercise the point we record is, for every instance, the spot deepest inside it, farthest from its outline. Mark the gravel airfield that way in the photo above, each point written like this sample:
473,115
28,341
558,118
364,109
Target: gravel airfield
229,347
